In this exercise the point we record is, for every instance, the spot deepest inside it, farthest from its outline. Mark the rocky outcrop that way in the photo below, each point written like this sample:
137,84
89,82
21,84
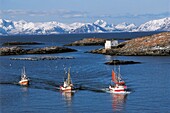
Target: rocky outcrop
45,50
11,51
121,62
20,43
155,45
49,50
88,42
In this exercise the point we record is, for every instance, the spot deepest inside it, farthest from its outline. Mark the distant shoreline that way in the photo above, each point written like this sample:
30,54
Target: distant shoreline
61,34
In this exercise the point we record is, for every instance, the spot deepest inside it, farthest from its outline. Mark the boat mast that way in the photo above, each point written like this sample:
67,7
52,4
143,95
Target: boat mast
68,78
24,73
119,76
65,74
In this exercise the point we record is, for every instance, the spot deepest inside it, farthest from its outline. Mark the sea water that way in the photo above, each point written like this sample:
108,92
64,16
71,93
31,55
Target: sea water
147,81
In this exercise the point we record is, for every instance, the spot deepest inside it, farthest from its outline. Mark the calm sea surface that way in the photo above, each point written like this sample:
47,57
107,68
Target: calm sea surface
148,81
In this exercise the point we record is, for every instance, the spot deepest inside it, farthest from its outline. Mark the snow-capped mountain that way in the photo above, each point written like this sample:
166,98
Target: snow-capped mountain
125,27
89,28
5,26
156,25
105,25
9,27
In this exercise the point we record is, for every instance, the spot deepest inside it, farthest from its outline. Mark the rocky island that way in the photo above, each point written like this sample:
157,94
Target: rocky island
20,43
121,62
154,45
46,50
88,42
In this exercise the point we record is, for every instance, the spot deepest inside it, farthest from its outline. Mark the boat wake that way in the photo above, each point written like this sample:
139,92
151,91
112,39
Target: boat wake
106,90
91,89
44,84
9,83
127,92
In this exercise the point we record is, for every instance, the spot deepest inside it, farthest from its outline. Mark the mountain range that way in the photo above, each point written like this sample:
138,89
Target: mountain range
9,27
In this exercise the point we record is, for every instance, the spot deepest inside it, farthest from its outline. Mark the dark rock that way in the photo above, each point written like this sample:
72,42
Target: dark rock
46,50
121,62
49,50
20,43
11,51
88,42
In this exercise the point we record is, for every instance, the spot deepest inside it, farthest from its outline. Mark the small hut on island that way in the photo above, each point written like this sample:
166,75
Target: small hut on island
111,43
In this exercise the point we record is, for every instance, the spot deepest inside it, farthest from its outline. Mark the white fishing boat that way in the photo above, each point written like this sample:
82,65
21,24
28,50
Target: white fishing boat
24,79
119,85
67,86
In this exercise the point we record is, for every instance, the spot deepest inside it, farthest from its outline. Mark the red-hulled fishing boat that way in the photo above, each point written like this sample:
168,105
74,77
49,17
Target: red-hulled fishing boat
119,85
67,86
24,79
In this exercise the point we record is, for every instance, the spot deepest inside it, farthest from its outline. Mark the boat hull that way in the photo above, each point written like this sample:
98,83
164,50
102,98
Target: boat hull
118,90
24,82
66,89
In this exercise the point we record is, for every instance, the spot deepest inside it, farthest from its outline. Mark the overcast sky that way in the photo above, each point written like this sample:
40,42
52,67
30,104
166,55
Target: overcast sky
69,11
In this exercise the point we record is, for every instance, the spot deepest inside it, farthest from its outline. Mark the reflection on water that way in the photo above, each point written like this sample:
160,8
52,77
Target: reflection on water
118,101
89,73
24,89
108,57
25,94
68,97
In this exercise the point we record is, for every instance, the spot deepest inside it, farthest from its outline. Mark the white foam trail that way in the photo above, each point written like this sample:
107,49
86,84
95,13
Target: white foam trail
108,91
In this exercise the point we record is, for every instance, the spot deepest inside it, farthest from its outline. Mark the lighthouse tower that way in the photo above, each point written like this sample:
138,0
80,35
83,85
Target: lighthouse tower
110,43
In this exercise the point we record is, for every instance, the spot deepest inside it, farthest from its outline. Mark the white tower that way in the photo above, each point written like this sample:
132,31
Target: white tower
109,44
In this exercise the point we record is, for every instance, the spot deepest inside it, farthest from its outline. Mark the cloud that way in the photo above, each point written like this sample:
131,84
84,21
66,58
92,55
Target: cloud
12,12
165,14
132,16
147,15
61,13
69,15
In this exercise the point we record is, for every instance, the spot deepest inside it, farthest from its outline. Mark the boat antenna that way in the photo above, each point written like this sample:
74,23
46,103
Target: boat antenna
119,73
23,72
114,65
65,73
64,69
69,79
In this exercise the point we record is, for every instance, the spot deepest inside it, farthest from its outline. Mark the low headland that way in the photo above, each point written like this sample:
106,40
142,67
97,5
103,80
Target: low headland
88,42
154,45
15,50
20,43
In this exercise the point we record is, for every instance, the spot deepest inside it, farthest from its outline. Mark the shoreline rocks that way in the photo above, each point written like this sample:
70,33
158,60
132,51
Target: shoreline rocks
121,62
20,43
11,51
46,50
88,42
154,45
50,50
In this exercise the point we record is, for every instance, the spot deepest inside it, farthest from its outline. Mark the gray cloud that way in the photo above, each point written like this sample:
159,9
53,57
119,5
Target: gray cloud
68,14
132,16
58,13
147,15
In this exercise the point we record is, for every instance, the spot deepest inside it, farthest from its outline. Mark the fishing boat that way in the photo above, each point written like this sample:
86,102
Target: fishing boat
119,84
24,79
67,86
